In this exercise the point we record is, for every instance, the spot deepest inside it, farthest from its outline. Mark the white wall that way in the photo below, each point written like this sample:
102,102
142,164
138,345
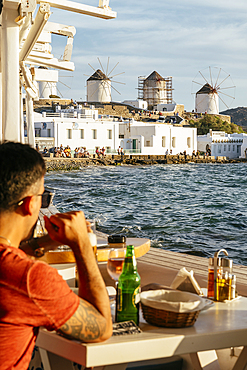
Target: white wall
222,144
142,104
166,107
99,91
207,103
59,129
152,137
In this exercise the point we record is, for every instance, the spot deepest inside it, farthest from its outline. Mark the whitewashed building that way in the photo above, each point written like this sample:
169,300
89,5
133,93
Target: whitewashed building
222,144
80,126
138,103
152,138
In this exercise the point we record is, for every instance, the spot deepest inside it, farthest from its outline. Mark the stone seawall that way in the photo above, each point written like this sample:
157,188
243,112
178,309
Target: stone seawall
69,164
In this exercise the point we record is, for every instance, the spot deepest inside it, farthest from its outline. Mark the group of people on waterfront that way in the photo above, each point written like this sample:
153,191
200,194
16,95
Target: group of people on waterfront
81,152
120,151
100,152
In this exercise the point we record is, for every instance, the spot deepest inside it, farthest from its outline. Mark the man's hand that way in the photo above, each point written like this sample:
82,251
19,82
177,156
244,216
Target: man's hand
68,228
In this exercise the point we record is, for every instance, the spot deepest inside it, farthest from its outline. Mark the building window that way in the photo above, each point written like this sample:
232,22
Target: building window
238,149
147,143
108,149
121,136
219,149
94,134
233,148
48,132
174,142
38,132
163,141
229,148
69,133
224,148
109,134
189,142
82,133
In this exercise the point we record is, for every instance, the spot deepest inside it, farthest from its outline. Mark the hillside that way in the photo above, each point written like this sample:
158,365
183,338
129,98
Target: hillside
238,116
211,122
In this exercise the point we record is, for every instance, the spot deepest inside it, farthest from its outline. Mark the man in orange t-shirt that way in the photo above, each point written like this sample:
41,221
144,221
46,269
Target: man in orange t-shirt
32,294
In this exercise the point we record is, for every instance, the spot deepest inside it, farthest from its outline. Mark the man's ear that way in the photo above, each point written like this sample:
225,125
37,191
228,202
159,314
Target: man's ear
27,207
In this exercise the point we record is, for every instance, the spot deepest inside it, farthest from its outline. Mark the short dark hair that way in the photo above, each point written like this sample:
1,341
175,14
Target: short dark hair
20,167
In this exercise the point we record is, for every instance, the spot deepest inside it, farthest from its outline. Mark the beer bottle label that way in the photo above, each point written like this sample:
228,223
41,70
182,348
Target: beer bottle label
136,296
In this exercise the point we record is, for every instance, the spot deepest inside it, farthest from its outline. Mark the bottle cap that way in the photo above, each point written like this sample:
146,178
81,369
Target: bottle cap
225,262
234,279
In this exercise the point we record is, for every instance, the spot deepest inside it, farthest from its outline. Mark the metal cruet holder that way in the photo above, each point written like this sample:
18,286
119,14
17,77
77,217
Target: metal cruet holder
216,256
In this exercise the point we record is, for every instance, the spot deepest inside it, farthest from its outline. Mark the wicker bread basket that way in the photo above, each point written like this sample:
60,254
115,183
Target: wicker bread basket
169,317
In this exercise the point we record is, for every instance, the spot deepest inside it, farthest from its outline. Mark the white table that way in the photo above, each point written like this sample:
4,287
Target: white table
224,325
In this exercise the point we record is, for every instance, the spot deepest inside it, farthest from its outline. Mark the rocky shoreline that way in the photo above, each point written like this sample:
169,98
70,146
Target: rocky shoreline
70,164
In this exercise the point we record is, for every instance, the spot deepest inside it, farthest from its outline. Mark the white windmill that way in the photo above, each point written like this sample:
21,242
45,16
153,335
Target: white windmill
99,85
99,88
216,86
25,42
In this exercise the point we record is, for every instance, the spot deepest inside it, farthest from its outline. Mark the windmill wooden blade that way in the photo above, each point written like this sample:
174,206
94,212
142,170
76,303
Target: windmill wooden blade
113,68
101,65
107,66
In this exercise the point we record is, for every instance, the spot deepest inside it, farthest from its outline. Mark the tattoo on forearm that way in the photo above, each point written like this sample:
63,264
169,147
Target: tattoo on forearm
86,324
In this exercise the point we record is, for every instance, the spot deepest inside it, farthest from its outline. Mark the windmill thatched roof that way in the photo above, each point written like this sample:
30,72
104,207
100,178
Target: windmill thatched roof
155,76
98,75
206,89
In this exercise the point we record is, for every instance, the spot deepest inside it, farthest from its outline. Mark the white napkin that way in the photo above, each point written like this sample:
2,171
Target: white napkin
174,301
185,281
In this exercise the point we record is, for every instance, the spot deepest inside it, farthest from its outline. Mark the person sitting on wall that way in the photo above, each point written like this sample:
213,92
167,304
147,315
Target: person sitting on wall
45,152
81,152
76,152
122,152
103,151
33,294
119,150
86,153
98,152
67,152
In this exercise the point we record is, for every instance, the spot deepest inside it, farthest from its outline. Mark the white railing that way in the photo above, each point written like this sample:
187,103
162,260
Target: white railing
66,115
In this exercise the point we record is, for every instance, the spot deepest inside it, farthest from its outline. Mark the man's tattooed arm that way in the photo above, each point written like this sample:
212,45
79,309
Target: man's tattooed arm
86,325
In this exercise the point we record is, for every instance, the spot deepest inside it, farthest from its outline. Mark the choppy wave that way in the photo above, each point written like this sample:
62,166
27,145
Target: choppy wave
192,208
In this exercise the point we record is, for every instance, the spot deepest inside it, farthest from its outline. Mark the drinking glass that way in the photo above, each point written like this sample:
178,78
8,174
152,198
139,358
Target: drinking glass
115,263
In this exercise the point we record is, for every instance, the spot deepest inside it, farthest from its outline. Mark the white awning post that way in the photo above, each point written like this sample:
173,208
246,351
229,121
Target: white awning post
10,75
22,140
30,120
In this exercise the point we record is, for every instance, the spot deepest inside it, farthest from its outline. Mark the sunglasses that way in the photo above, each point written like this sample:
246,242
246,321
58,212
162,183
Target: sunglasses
46,201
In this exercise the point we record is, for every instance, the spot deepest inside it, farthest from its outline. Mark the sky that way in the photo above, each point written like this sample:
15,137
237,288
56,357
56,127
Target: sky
176,38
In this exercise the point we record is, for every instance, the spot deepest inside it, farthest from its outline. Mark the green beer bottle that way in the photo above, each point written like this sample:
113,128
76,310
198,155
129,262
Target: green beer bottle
128,289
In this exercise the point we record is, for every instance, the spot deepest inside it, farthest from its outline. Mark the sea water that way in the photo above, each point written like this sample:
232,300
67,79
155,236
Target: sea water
191,208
